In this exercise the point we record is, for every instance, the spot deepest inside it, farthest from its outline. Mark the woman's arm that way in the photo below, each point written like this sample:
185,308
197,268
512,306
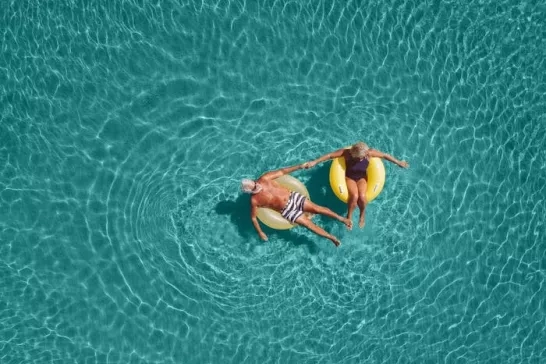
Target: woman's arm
390,158
332,155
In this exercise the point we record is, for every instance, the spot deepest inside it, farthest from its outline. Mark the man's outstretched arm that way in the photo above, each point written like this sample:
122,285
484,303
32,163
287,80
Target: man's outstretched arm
332,155
253,212
281,172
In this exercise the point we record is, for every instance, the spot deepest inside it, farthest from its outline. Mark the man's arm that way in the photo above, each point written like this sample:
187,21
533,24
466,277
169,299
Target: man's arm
253,211
390,158
332,155
281,172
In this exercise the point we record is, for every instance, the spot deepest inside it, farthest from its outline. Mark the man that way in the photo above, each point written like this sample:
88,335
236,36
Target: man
291,205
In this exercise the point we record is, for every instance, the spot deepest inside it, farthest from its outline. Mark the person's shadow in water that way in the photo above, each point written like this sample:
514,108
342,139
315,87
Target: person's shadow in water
319,190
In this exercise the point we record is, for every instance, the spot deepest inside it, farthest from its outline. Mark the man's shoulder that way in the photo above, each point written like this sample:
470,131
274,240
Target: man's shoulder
258,196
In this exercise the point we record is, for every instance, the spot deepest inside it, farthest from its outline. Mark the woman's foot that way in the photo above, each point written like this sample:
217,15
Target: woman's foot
362,220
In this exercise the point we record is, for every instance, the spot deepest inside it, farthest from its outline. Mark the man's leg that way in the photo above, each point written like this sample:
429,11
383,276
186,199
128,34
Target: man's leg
313,208
362,200
305,221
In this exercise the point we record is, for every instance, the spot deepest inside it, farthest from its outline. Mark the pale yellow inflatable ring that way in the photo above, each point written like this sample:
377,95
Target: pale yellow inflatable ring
375,173
272,218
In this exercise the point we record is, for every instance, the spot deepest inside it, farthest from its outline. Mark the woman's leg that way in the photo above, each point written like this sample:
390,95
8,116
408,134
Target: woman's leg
362,185
352,188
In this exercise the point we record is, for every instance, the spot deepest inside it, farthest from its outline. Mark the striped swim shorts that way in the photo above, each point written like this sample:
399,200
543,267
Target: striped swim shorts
294,207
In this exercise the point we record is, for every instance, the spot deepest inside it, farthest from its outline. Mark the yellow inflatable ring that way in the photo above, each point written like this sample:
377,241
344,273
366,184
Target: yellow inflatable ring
376,178
272,218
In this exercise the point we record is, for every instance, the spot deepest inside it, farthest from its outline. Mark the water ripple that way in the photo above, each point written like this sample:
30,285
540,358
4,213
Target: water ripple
126,128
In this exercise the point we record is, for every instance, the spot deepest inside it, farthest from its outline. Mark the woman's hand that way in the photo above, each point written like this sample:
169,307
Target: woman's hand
308,165
263,236
404,164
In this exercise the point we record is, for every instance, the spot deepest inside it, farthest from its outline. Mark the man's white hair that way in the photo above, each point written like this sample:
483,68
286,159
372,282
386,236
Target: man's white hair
247,185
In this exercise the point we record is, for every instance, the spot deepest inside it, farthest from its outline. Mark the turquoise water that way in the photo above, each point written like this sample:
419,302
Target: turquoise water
125,129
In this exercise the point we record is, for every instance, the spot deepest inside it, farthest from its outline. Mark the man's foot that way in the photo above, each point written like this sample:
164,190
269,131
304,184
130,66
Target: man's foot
335,241
361,221
348,223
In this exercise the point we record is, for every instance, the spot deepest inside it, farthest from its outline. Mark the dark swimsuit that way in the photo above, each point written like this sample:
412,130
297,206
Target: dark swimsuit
356,169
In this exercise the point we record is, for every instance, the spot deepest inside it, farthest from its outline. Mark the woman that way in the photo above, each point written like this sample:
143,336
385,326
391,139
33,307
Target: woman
357,159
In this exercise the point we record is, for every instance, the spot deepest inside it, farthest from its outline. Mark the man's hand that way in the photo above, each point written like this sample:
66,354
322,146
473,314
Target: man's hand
263,236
